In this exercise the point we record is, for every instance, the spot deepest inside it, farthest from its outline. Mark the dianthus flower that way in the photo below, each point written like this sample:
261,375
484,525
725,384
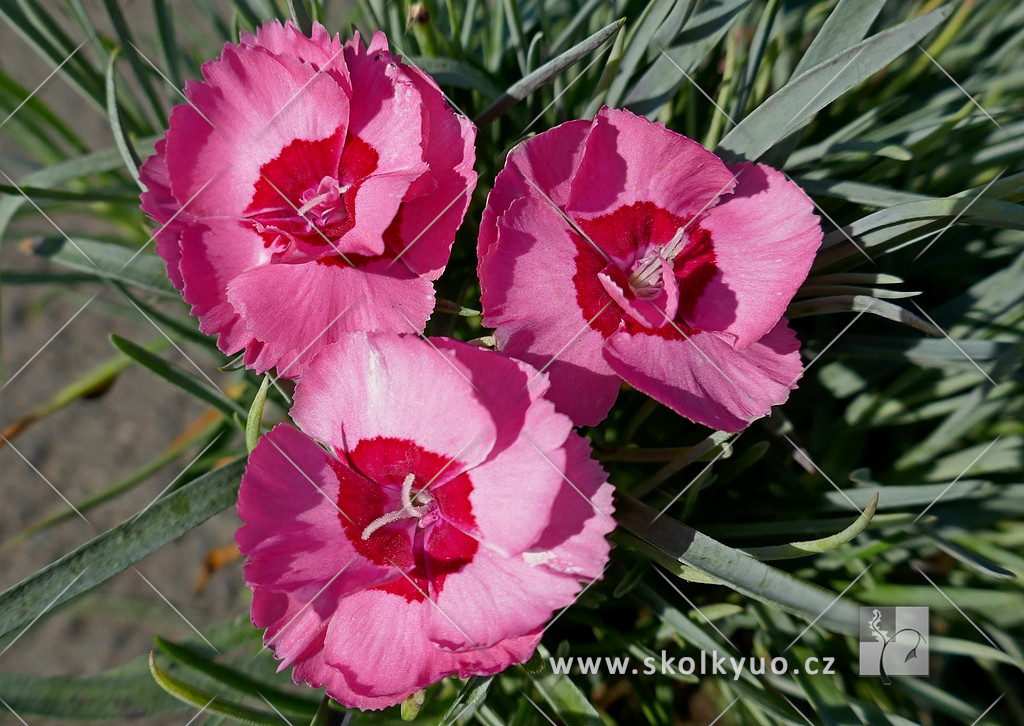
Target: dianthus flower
308,188
619,250
453,512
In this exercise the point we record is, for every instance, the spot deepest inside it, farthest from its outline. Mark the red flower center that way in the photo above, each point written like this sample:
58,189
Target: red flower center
642,269
399,509
304,200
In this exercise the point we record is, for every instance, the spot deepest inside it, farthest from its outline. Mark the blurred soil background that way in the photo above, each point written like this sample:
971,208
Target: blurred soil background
48,340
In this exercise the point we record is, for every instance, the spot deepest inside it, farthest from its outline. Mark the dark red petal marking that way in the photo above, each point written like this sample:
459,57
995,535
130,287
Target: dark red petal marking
623,235
300,166
370,487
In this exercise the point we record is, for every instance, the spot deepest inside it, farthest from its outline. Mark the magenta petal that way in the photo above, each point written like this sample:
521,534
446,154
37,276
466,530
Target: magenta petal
628,159
765,235
387,658
288,500
364,387
542,166
704,379
212,255
573,542
159,203
387,115
525,477
493,598
321,48
317,302
528,296
249,101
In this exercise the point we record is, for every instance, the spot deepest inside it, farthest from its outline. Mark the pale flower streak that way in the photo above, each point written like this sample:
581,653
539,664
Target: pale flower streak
959,476
962,90
827,608
959,214
44,611
950,601
690,602
446,359
955,344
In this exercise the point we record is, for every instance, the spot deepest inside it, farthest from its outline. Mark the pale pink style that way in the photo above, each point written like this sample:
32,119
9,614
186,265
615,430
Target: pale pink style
619,250
306,189
455,512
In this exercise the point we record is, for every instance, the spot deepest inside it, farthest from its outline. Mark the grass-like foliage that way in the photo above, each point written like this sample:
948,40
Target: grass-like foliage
891,477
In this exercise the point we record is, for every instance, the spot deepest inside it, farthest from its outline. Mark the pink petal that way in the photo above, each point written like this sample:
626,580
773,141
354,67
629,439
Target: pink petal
628,159
548,160
386,114
212,255
704,379
252,101
294,542
159,203
321,49
297,310
436,203
529,297
765,235
493,598
574,541
377,641
524,478
361,388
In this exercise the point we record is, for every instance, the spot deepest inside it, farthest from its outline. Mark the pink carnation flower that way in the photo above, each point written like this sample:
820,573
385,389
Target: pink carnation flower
306,189
618,250
454,512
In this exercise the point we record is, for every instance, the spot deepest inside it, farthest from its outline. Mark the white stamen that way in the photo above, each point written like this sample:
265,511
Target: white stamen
648,274
408,510
313,202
